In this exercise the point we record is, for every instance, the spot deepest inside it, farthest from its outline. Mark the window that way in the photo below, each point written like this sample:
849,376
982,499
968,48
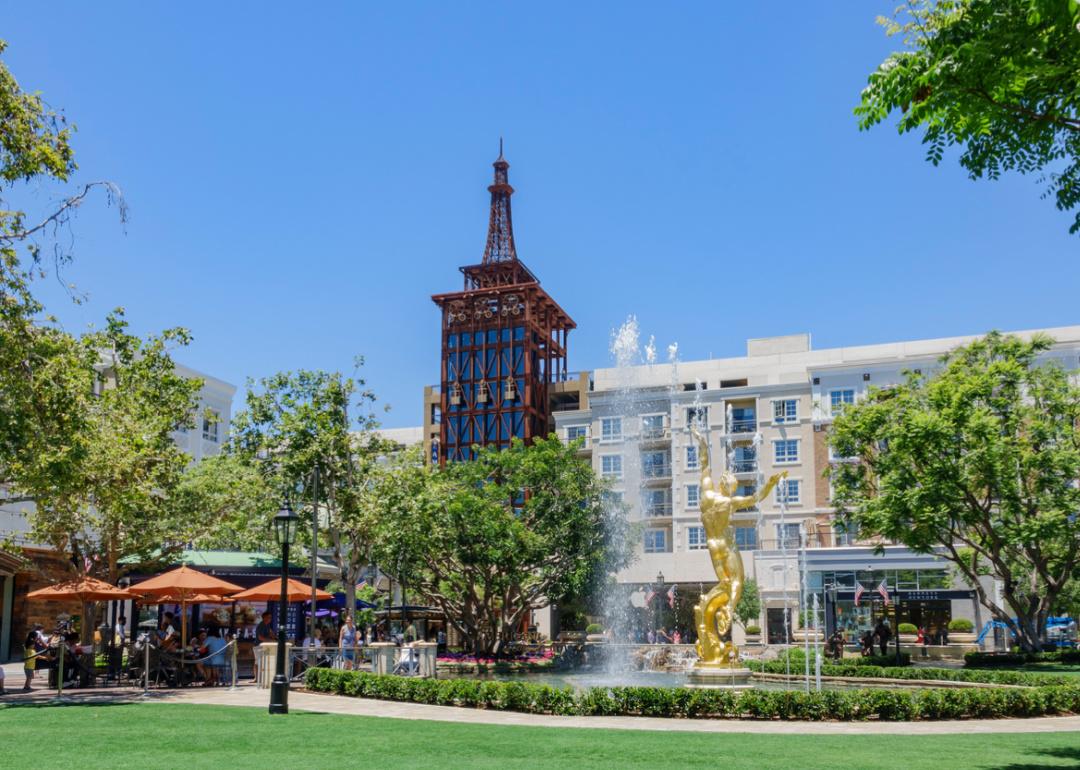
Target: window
743,420
836,457
655,465
691,458
746,538
210,425
692,495
576,431
695,539
611,429
846,534
785,411
787,535
838,398
652,426
697,417
612,499
786,451
655,541
788,491
611,466
658,502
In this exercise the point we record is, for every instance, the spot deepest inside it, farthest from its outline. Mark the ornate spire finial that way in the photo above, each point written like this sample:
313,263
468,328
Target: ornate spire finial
500,238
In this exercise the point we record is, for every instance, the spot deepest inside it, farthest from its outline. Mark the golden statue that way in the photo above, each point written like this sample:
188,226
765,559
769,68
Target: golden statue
717,502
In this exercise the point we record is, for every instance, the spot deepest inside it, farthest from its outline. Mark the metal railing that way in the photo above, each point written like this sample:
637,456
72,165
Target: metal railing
744,466
654,510
656,471
743,426
655,434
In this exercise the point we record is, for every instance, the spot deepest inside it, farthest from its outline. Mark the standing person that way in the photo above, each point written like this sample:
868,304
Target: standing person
120,631
347,642
215,648
29,658
264,634
883,634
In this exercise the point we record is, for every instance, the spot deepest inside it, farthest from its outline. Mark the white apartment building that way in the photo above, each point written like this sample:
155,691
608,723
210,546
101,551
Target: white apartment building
763,413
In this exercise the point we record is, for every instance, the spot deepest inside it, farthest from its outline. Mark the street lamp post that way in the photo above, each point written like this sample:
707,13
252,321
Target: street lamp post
285,533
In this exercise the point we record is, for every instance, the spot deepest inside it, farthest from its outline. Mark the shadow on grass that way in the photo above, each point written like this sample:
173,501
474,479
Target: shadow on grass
1069,753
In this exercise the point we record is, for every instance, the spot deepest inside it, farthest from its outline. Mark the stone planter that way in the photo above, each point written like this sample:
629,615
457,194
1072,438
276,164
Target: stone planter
909,638
960,637
801,635
596,638
753,639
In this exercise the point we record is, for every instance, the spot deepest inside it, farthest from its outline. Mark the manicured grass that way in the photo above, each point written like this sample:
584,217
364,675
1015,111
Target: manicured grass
193,737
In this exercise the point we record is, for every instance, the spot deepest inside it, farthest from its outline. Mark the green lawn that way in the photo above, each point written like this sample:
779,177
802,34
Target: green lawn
1051,668
192,737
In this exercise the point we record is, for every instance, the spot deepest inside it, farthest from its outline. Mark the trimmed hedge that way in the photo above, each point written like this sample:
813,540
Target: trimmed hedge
1013,659
842,705
1023,678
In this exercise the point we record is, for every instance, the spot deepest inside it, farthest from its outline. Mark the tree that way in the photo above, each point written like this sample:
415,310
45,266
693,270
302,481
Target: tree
748,610
104,494
1000,78
977,463
228,502
298,421
490,540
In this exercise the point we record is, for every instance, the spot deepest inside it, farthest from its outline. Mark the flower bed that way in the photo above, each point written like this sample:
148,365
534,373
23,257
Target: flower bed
841,705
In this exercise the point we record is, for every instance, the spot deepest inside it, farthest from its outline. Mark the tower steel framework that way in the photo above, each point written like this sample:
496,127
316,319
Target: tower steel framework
503,342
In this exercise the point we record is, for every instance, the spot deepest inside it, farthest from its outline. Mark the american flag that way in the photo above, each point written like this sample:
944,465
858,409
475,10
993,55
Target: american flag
881,589
649,596
671,597
859,591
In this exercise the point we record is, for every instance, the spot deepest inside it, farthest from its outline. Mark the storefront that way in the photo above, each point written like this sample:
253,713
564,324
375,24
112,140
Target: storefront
857,588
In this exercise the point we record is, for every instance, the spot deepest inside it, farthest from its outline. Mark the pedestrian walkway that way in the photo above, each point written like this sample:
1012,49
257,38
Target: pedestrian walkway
252,697
337,704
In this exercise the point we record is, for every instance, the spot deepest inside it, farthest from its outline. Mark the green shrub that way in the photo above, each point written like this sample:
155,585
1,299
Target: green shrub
594,628
1016,659
753,630
961,625
908,628
845,705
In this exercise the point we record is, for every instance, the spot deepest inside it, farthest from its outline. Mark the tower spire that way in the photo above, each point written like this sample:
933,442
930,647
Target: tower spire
500,237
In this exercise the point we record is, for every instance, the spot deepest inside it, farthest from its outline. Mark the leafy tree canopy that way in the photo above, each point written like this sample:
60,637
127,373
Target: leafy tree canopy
490,540
999,78
977,462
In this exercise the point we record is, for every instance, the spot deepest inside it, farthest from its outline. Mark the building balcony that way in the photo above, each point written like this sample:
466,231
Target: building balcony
652,436
656,473
742,426
739,467
657,510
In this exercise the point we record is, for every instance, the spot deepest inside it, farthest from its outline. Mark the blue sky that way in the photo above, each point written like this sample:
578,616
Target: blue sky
302,179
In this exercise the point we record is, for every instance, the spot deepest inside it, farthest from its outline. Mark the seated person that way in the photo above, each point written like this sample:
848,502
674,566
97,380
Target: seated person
167,637
199,651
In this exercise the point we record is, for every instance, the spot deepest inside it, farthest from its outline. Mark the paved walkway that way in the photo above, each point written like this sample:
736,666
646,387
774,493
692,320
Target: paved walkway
252,697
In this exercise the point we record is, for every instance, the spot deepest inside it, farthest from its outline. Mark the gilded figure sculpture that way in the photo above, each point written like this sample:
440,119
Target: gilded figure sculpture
716,610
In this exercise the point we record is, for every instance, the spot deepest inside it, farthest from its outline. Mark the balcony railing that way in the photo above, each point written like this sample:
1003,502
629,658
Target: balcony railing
744,466
743,426
656,471
657,510
655,434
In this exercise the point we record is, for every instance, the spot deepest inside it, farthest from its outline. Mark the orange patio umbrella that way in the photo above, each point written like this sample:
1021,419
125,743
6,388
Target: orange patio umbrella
86,589
183,585
271,591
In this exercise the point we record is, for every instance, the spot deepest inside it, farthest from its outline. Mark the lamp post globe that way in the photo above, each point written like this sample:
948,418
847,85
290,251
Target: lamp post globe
285,526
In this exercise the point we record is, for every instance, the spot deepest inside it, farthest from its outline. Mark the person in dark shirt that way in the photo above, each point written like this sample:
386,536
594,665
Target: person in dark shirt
265,632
